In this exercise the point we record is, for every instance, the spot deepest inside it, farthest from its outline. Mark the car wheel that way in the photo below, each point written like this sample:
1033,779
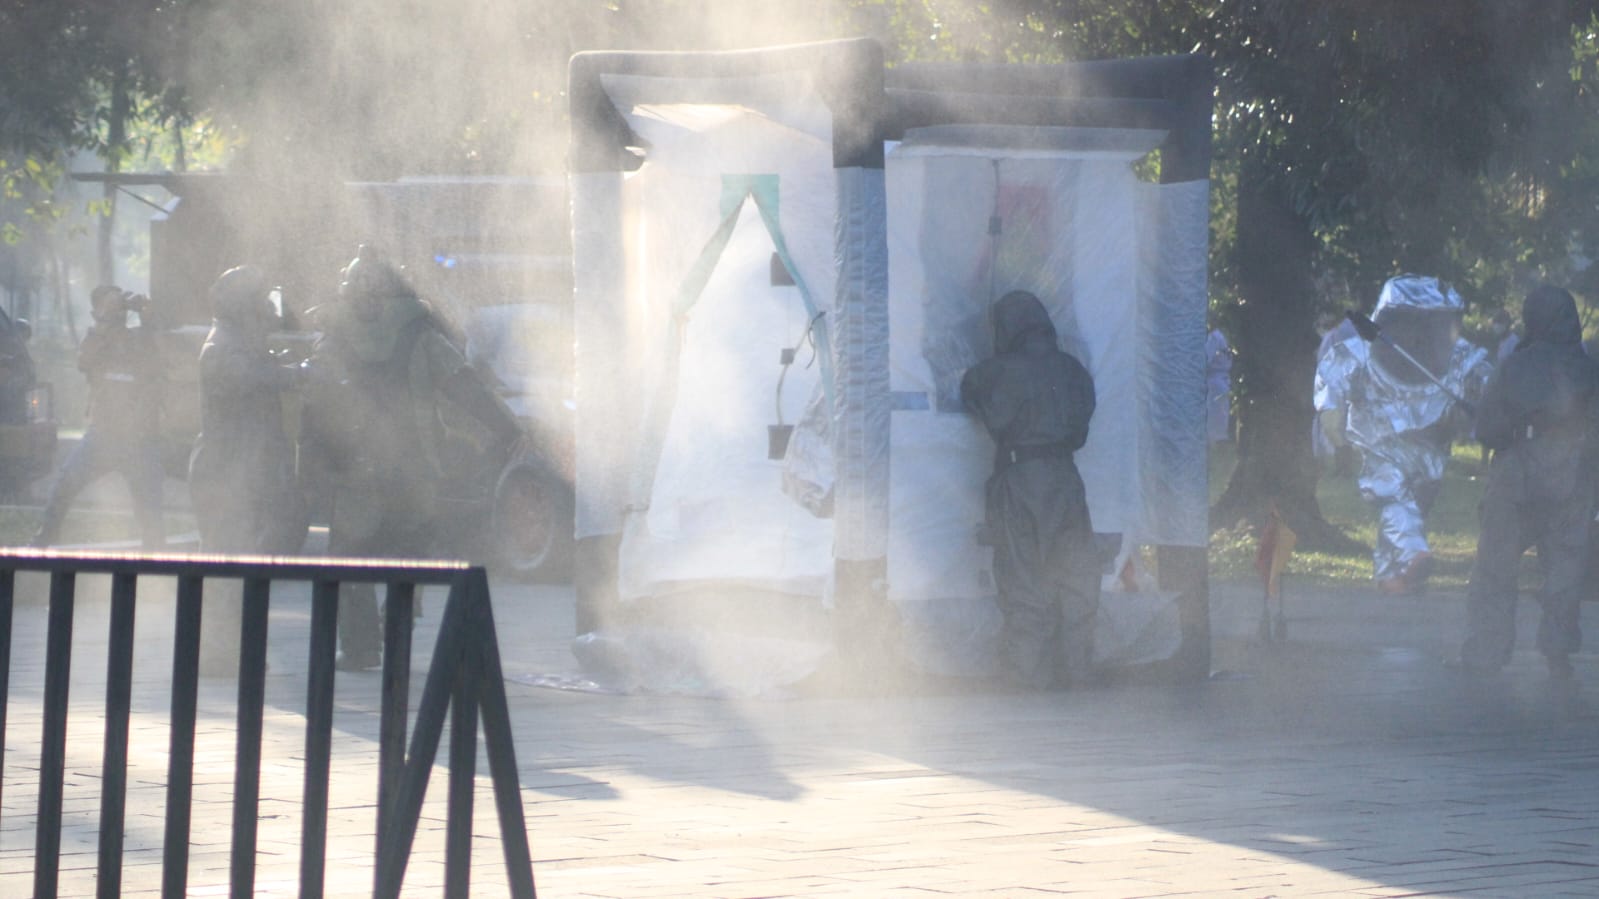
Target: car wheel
532,523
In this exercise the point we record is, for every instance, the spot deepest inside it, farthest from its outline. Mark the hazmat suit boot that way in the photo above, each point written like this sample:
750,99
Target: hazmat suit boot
358,661
1565,691
50,525
1471,668
1560,670
1415,573
360,629
1412,580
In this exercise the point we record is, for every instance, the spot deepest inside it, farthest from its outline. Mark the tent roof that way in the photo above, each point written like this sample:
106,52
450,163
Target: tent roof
870,103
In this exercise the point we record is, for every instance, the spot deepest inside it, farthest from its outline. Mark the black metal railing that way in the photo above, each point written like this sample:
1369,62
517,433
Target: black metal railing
464,679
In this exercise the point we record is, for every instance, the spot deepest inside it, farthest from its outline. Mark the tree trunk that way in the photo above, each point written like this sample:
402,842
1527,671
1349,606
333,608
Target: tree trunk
116,136
1276,343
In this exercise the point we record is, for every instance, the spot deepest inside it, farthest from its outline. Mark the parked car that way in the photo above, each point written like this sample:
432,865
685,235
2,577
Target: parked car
526,348
28,426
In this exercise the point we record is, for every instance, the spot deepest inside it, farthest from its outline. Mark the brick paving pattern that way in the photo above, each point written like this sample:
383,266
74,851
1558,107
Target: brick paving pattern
1347,762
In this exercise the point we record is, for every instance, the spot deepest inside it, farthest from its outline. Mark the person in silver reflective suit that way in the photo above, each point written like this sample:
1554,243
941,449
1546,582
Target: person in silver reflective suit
1402,422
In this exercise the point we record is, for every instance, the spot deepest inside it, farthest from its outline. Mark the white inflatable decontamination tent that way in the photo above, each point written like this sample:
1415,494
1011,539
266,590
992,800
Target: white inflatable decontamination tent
783,260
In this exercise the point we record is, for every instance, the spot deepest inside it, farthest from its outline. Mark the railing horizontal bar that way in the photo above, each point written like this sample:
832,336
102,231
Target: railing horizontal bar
277,568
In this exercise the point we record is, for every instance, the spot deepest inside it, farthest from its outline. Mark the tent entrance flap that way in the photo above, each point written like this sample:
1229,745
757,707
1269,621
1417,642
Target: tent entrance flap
709,500
738,191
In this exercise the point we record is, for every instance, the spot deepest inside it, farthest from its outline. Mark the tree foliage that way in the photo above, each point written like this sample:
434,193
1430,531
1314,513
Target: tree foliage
1353,140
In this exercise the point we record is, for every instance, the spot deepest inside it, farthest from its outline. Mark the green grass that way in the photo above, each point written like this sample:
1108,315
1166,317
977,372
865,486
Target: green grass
1451,529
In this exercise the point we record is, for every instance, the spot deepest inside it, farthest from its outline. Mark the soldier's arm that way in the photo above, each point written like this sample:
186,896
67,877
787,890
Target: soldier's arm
1498,418
975,387
237,374
462,385
92,351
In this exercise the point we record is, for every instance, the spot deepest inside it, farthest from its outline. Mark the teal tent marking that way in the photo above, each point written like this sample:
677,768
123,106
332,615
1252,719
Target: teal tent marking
764,189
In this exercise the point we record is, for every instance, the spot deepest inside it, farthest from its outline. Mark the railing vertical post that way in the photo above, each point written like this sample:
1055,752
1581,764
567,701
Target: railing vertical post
463,775
53,740
500,747
318,738
114,764
180,752
399,614
247,774
399,830
7,593
464,681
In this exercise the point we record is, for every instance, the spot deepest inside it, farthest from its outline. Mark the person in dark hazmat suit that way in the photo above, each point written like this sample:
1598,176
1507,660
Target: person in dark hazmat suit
1036,402
1540,416
125,375
241,472
387,377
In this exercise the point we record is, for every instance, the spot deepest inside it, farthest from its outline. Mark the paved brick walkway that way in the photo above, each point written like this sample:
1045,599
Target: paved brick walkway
1347,762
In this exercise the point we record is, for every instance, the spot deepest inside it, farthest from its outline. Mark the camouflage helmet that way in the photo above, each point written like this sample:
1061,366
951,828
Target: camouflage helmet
239,294
369,276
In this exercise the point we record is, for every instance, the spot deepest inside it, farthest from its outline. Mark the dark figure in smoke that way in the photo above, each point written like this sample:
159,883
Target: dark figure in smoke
387,379
1035,401
1539,416
241,474
123,367
17,374
1389,407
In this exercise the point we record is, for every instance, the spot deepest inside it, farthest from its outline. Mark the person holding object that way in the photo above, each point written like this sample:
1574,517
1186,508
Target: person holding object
1399,399
384,375
1036,401
241,472
1539,415
123,367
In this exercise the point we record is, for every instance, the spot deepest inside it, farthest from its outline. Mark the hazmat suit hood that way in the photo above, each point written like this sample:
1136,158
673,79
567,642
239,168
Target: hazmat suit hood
1421,315
1020,321
1418,292
1550,316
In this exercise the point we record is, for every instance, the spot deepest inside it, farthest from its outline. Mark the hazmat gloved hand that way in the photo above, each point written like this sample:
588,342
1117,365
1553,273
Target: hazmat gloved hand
1346,461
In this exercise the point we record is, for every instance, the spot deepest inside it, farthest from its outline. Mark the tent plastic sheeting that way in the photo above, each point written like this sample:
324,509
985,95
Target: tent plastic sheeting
971,218
720,276
726,191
